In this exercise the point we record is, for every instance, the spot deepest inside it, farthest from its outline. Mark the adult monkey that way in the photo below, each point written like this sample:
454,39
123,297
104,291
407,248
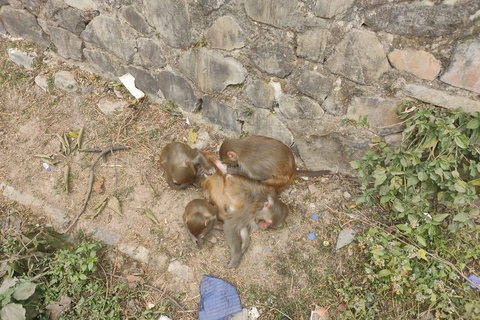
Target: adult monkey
183,165
199,217
264,159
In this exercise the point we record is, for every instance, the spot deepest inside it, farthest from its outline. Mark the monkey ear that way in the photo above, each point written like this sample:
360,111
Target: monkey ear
266,204
185,164
232,155
206,222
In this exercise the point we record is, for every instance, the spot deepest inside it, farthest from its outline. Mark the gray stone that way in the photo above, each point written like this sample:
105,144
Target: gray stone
442,99
135,19
139,253
105,33
220,114
278,13
332,106
359,57
101,62
276,59
110,106
21,58
210,70
345,237
311,44
66,81
418,18
150,53
107,237
419,63
41,81
214,4
171,20
33,5
381,114
225,34
179,270
19,196
176,89
316,84
331,8
68,44
259,93
21,23
464,68
144,80
264,123
394,140
299,107
82,4
331,151
17,4
70,19
57,215
2,29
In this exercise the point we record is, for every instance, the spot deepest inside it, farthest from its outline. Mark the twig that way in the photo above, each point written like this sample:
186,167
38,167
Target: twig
18,258
152,288
90,182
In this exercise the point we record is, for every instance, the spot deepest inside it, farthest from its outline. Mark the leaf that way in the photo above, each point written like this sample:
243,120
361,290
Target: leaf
13,311
377,252
430,141
461,186
24,290
422,176
461,217
384,273
73,134
150,215
192,136
355,164
475,182
473,124
7,284
421,241
380,178
58,308
423,254
404,228
461,141
114,204
397,205
440,217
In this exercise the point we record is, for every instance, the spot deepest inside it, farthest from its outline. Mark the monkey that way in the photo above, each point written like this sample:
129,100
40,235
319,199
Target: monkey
199,217
263,159
248,217
183,165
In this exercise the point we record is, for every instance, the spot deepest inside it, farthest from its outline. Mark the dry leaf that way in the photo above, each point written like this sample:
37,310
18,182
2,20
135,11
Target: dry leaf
56,309
99,185
175,236
192,136
131,278
114,204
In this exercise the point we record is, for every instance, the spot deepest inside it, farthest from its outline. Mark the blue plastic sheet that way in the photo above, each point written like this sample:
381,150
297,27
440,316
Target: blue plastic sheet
219,299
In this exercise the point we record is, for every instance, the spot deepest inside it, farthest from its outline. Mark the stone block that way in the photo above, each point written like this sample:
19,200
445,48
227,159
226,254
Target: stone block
68,44
264,123
419,63
176,89
225,34
276,59
316,84
218,113
23,24
259,93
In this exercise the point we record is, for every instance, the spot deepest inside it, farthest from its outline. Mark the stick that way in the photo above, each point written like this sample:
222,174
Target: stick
90,182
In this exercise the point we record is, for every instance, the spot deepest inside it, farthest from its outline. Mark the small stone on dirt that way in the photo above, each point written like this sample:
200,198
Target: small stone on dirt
345,237
41,81
66,81
21,58
110,106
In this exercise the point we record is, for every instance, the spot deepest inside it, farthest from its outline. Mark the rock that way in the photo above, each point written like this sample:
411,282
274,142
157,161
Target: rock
278,13
440,98
394,140
3,31
225,34
171,20
210,70
21,58
109,106
70,19
21,23
82,4
214,4
176,89
259,93
315,84
102,63
464,68
150,53
420,63
33,6
276,59
263,122
220,114
417,18
143,79
68,44
66,81
139,253
57,215
41,81
381,114
135,19
359,57
300,107
345,237
331,8
179,270
19,196
333,107
311,44
105,33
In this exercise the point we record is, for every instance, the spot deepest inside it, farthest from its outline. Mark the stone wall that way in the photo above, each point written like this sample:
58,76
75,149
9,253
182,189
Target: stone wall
283,68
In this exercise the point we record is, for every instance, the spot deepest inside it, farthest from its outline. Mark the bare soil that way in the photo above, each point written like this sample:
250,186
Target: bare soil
282,270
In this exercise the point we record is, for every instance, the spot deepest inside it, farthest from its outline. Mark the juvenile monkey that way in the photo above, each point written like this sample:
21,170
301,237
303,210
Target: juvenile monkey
199,217
263,159
183,165
241,221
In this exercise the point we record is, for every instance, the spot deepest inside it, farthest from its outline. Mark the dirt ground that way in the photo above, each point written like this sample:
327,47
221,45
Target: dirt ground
279,263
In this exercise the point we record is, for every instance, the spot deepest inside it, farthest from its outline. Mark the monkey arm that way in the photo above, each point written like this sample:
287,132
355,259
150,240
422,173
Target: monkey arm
234,241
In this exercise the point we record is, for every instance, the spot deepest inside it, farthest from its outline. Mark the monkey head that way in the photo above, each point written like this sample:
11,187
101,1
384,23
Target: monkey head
227,155
184,173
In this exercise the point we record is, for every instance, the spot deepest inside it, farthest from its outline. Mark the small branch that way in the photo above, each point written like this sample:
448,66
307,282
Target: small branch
90,182
18,258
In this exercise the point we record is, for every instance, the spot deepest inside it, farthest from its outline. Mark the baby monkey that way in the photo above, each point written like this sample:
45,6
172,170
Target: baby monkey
183,165
199,217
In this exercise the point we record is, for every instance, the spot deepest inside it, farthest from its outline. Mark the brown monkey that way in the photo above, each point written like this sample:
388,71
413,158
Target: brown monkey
183,165
199,217
264,159
239,223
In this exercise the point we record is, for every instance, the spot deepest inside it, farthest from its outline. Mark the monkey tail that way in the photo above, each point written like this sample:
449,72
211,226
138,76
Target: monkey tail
310,173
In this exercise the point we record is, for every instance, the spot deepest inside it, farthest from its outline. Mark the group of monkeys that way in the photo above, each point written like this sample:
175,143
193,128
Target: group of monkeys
241,185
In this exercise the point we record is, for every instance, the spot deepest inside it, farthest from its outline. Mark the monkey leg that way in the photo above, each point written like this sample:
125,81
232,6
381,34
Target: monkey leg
234,240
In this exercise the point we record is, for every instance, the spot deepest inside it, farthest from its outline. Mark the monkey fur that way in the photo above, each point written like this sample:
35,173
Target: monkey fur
199,217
